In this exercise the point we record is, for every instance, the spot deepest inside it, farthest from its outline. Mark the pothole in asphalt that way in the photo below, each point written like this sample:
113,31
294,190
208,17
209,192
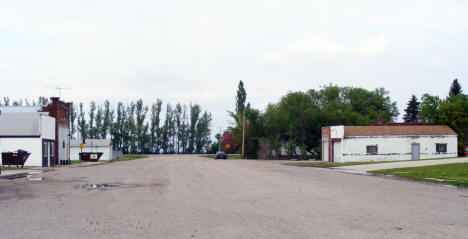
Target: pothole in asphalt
101,186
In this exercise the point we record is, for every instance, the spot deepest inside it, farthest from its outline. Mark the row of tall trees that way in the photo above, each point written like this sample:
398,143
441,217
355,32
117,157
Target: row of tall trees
295,121
139,128
41,101
451,110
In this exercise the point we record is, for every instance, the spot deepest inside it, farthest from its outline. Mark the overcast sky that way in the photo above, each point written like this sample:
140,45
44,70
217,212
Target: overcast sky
197,51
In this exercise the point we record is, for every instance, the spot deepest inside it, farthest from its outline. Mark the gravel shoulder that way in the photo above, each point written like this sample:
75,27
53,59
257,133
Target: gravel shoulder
194,197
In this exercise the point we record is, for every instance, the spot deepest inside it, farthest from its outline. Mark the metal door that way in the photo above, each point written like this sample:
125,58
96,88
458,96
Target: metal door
337,152
415,151
45,153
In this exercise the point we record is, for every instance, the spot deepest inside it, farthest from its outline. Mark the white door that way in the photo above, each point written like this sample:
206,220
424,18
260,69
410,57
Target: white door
325,150
337,152
415,151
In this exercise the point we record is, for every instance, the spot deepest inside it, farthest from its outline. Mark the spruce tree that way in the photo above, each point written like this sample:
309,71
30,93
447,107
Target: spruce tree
455,88
412,111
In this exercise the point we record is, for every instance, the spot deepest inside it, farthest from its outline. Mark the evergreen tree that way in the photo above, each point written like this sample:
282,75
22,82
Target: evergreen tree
455,88
412,111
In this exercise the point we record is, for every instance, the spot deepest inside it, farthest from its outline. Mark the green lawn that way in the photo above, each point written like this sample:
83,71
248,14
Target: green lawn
12,168
453,174
319,164
76,161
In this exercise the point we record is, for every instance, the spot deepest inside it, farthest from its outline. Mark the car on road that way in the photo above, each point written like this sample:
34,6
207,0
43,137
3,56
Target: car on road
220,155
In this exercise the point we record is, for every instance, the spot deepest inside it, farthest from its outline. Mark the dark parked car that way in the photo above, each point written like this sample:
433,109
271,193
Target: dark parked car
221,155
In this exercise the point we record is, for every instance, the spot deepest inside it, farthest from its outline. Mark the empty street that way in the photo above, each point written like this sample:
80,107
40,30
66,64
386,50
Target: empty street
193,197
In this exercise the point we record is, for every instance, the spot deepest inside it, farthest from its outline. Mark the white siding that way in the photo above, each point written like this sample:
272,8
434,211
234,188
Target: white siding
32,145
107,150
396,147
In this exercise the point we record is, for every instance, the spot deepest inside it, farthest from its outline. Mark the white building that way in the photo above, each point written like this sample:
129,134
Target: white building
91,145
30,131
387,142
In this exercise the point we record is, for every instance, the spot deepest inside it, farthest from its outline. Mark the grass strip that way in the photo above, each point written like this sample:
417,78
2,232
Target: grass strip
453,174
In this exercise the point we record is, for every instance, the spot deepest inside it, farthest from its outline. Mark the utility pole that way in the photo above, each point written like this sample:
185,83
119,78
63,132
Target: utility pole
219,140
243,133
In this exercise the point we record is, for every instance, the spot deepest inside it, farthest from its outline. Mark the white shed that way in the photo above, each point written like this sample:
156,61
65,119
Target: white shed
387,142
91,145
30,131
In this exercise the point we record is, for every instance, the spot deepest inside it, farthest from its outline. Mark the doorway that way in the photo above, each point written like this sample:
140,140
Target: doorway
415,153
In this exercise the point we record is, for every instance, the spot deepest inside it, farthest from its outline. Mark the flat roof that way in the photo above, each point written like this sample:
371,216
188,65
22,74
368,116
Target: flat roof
20,124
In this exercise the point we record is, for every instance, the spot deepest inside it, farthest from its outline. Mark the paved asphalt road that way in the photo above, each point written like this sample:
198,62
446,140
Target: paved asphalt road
190,197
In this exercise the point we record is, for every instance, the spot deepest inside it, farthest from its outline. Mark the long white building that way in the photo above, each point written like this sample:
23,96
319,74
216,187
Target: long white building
387,142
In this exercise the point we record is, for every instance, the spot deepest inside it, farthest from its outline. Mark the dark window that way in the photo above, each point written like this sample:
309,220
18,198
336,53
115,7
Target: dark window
441,148
64,144
372,149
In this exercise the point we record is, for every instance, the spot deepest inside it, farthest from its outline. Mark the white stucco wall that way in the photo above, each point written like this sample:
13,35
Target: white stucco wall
32,145
391,148
63,142
107,150
337,132
47,127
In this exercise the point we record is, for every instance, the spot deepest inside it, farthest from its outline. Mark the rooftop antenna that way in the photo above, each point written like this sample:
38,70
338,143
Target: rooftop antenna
59,89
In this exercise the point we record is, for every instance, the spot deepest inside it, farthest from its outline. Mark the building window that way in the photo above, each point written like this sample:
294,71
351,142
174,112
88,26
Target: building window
372,149
441,148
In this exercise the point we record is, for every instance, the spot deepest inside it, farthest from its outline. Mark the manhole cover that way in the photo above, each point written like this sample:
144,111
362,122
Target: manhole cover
101,186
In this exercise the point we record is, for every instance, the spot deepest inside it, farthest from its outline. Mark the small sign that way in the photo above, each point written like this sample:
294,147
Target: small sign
93,156
81,146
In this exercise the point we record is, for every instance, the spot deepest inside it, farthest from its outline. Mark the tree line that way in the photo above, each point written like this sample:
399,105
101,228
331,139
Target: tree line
139,128
451,110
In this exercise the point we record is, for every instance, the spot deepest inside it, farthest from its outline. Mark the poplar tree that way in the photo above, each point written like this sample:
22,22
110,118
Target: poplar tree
155,132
